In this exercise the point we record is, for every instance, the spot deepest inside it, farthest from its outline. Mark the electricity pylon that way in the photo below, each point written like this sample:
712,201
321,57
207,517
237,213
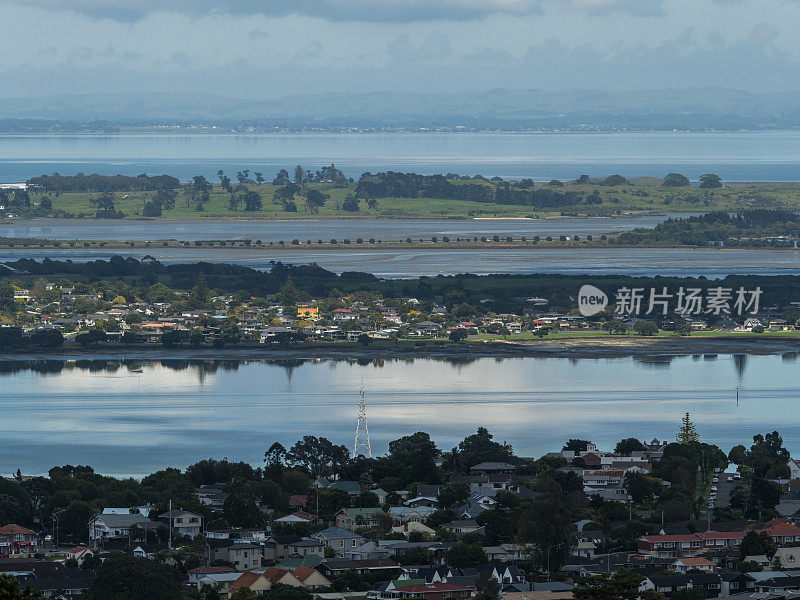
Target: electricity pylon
361,443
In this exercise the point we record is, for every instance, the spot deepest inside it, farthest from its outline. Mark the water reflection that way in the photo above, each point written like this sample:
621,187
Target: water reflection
176,411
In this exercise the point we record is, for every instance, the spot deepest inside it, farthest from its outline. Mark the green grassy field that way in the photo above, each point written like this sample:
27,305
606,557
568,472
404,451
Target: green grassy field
660,334
614,201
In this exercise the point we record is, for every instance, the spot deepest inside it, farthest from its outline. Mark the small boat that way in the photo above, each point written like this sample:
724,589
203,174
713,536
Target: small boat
137,371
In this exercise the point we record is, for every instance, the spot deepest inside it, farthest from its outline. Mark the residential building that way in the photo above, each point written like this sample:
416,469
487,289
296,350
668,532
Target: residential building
15,539
183,522
338,539
114,527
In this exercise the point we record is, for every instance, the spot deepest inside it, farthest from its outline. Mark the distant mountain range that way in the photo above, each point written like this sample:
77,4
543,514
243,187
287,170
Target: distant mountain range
692,108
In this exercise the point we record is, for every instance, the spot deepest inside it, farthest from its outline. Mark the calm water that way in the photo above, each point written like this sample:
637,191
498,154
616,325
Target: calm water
412,263
384,229
177,412
756,156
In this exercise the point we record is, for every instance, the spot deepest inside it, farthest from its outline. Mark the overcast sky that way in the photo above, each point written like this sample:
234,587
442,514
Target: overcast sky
271,48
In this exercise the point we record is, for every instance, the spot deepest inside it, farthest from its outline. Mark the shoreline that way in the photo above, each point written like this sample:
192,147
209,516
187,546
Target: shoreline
61,246
578,348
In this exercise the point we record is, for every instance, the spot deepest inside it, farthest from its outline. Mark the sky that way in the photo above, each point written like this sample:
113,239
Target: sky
271,48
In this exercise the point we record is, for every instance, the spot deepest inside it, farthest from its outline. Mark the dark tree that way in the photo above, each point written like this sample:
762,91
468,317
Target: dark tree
710,180
676,180
126,577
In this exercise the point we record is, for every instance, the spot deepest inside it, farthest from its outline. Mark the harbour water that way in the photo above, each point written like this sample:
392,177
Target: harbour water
176,412
737,156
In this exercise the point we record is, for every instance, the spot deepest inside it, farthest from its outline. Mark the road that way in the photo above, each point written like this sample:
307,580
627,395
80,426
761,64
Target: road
724,489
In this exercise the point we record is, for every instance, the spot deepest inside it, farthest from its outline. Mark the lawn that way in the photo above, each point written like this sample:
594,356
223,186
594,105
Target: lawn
613,201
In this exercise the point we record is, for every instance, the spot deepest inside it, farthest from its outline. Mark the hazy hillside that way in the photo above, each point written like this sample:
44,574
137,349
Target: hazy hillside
699,108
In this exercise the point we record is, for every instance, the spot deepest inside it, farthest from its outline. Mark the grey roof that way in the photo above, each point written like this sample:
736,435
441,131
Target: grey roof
333,533
177,513
121,521
351,487
493,466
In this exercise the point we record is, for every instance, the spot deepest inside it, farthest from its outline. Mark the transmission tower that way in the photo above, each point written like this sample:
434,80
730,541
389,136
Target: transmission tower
361,442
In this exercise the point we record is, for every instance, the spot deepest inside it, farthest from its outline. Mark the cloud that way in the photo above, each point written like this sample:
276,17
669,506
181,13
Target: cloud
436,46
638,8
387,11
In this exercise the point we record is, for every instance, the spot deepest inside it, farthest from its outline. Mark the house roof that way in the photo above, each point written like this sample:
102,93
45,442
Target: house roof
695,561
206,570
363,512
14,529
333,533
177,513
303,573
433,587
370,563
351,487
493,466
274,574
246,580
122,521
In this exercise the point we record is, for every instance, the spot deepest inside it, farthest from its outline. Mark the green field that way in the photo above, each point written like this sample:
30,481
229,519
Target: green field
614,200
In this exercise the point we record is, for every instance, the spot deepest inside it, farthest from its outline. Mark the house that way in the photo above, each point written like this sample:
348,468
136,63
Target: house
71,583
307,547
114,527
278,548
351,487
79,553
412,527
245,556
221,581
299,517
493,467
505,553
584,548
463,526
422,501
787,558
298,501
350,518
283,576
779,584
425,591
198,572
667,584
682,565
211,495
407,514
257,582
331,567
338,539
427,328
16,539
183,522
760,559
311,578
